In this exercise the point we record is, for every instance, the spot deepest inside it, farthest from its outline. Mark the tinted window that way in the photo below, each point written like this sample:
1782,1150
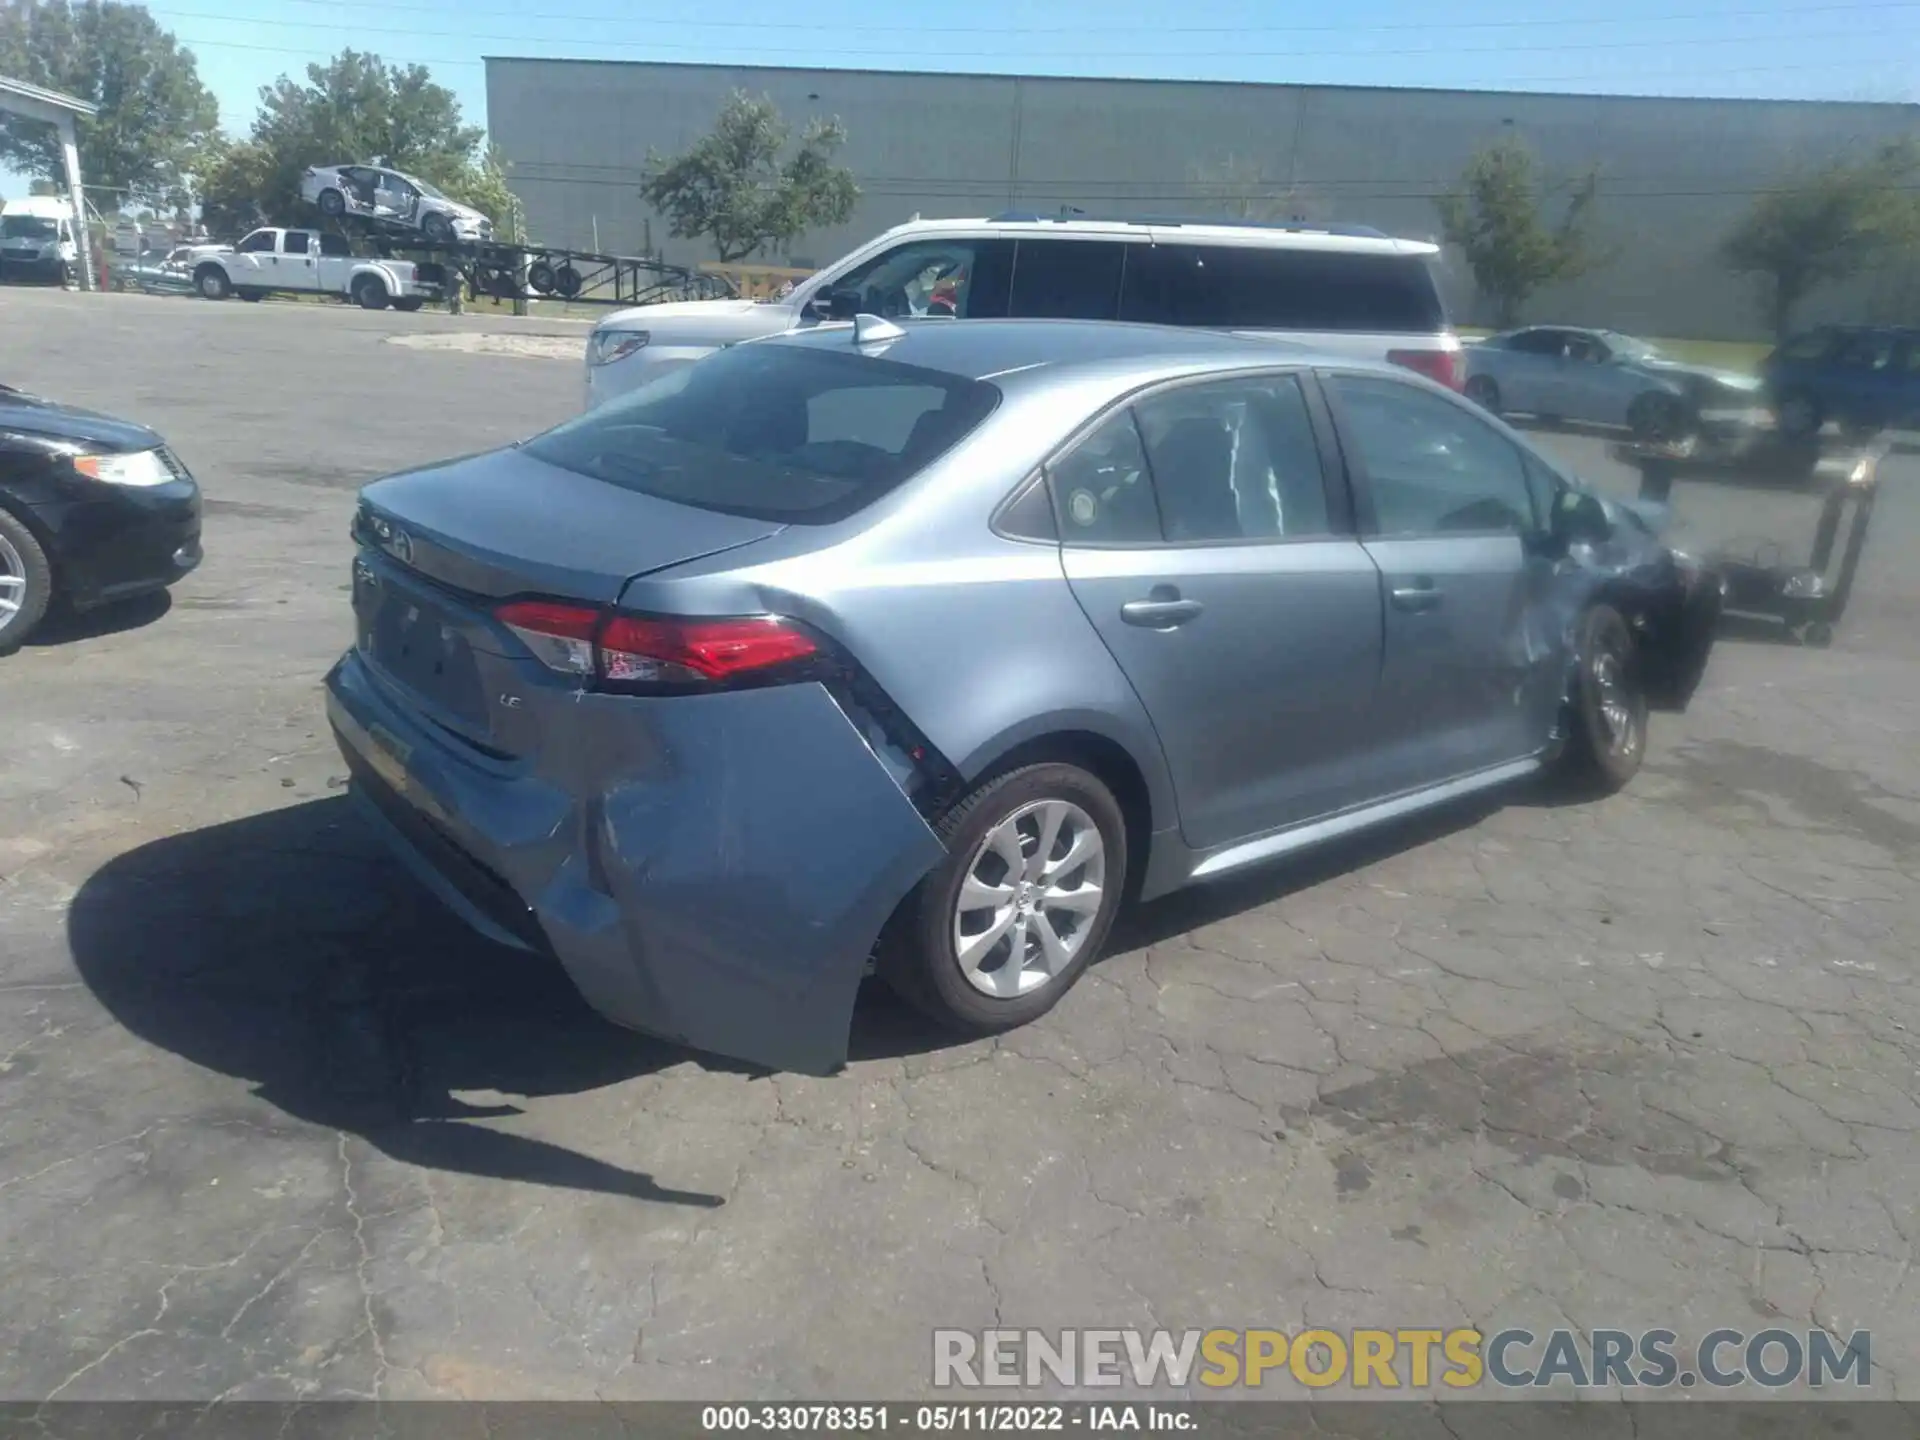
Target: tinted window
1432,467
1810,346
777,432
334,245
1870,350
296,242
260,242
1537,342
964,278
1255,288
1101,491
1234,461
1585,349
1068,279
28,227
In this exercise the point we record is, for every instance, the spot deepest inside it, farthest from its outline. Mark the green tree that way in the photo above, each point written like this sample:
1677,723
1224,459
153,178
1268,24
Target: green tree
1822,226
154,114
353,108
739,187
1496,216
1240,189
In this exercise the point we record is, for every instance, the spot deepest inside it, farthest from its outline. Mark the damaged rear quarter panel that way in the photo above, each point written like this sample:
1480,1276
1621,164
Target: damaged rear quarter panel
754,864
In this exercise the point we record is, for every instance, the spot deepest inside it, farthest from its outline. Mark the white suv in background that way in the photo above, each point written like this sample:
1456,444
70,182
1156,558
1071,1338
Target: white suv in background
1339,288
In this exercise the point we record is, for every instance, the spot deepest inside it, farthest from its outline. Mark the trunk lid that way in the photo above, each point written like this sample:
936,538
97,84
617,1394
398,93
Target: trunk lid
443,545
504,523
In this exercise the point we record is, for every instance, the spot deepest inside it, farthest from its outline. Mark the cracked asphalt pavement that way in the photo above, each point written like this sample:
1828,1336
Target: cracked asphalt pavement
272,1125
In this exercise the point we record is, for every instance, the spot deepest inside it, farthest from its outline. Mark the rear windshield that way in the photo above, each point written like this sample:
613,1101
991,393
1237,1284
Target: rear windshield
773,432
1233,287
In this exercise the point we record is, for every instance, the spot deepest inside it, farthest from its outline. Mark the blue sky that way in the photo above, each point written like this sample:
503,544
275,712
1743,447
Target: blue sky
1801,49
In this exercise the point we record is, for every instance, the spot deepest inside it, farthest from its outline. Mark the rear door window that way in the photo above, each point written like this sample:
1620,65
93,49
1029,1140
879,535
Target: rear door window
1235,460
336,245
773,432
1068,279
1243,287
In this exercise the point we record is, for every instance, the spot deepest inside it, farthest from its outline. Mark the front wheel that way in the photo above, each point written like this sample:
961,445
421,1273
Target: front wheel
1657,418
1799,415
26,583
1608,737
438,229
212,282
1003,927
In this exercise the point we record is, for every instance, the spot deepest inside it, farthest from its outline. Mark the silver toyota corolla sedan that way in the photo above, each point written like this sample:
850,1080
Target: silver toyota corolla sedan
919,649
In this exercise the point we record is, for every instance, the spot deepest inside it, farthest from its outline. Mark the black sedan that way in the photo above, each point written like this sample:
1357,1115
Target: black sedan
92,510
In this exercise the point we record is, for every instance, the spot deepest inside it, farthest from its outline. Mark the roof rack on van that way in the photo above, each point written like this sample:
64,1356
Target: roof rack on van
1068,214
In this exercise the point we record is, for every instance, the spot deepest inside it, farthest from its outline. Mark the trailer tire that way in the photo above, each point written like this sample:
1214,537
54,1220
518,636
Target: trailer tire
566,282
212,282
370,293
540,277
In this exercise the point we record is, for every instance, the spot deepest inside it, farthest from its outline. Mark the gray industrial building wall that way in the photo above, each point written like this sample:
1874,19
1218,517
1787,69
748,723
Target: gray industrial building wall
1675,174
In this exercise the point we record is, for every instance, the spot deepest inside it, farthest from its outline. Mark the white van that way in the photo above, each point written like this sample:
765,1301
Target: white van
37,240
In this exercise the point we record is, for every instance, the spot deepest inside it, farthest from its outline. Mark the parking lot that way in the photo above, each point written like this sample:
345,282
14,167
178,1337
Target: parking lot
273,1125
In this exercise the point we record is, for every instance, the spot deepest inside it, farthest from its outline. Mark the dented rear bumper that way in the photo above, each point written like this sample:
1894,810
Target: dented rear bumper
715,872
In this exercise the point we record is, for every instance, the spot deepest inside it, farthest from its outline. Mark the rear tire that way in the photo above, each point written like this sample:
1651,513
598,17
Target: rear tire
407,304
1608,735
1484,391
26,583
253,296
333,204
369,293
1033,931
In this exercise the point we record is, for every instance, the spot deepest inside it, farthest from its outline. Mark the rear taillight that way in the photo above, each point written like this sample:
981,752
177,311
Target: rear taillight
623,651
1441,365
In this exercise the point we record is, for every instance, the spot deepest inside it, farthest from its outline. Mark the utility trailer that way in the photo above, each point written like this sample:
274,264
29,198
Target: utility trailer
1807,597
505,271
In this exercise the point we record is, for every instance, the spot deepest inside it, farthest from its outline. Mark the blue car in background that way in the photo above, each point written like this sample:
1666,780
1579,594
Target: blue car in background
1861,378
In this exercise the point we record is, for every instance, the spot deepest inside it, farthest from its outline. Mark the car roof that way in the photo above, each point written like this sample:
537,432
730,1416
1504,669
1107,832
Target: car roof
1349,240
1037,351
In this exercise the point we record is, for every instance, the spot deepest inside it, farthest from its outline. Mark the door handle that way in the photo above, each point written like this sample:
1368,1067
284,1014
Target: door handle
1162,610
1420,595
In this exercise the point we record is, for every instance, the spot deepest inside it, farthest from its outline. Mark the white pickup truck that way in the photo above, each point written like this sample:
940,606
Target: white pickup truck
309,262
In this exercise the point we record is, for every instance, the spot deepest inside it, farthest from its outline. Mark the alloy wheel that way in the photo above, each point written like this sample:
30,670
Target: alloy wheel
1614,702
13,583
1032,892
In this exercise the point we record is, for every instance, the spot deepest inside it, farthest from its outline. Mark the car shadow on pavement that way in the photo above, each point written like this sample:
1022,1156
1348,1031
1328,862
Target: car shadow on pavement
1156,921
63,627
289,950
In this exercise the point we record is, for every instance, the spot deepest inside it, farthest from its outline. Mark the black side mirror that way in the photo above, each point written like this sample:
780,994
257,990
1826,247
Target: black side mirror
836,304
1580,519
